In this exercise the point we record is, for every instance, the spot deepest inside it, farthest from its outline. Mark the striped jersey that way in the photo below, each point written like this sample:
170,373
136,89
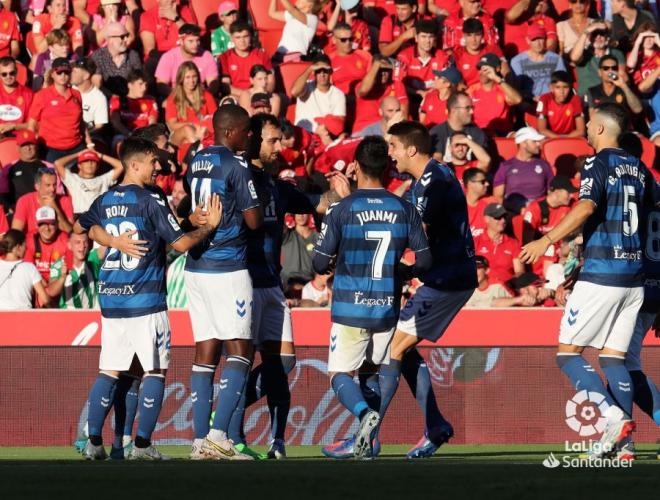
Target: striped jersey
621,188
651,257
368,232
80,286
176,289
264,244
217,169
128,286
440,201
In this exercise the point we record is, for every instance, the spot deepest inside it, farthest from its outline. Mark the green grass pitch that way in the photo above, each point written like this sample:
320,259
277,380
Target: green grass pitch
459,471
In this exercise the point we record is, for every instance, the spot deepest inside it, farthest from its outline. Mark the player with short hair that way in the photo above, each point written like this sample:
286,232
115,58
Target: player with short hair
366,234
448,285
271,317
616,192
218,284
132,291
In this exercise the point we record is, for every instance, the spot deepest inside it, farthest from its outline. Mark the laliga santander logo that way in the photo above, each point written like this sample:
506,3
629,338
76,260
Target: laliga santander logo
585,413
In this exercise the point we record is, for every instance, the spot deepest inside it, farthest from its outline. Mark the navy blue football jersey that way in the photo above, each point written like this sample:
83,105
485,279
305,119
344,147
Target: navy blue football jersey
621,187
264,244
128,286
368,232
217,169
651,256
440,201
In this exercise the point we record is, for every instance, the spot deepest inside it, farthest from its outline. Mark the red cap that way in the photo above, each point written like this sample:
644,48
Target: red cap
89,155
536,30
334,123
26,137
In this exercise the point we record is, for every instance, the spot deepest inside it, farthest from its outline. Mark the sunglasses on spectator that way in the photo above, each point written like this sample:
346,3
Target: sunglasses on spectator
583,2
480,181
122,37
609,68
231,13
8,73
323,70
62,71
345,40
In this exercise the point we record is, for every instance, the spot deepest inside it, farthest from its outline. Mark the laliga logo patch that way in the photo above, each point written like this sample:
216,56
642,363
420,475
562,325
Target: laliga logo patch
173,222
585,413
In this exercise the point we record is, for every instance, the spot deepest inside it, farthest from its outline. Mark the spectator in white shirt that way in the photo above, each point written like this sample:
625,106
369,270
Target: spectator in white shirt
300,21
316,293
18,280
317,97
94,102
487,294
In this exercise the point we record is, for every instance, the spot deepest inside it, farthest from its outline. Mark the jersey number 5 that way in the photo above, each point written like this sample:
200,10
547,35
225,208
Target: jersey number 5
629,211
126,262
383,238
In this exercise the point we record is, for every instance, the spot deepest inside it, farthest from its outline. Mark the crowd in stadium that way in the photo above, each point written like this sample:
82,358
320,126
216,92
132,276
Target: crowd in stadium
505,88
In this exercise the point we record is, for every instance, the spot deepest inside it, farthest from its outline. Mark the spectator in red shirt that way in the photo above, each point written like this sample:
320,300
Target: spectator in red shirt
350,14
379,83
10,35
189,108
460,144
56,111
236,63
397,31
133,111
420,61
542,216
493,97
500,249
453,25
476,183
645,54
48,244
56,18
15,99
349,66
298,147
467,57
559,111
4,223
522,14
45,184
433,109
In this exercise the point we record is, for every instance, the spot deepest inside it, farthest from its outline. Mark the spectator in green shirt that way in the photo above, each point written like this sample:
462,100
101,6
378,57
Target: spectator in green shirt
220,38
80,286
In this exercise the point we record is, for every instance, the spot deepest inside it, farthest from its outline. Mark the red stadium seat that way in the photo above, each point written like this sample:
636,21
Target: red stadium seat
21,73
291,111
649,152
270,40
262,21
506,147
531,120
8,150
561,153
289,72
517,227
206,12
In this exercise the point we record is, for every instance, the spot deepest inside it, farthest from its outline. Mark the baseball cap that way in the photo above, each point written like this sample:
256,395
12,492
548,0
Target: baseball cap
489,59
226,6
89,155
46,215
334,124
536,30
61,62
26,137
260,100
528,133
495,210
348,4
525,279
451,74
86,63
481,261
563,182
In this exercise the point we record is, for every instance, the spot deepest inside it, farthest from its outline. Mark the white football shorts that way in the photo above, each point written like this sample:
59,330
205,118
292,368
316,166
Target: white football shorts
350,346
147,336
220,305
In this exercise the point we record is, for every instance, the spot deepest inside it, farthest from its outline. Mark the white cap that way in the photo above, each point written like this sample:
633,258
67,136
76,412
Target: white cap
528,133
46,214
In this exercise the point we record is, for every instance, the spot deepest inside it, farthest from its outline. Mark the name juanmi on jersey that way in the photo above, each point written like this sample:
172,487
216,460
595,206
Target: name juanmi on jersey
376,216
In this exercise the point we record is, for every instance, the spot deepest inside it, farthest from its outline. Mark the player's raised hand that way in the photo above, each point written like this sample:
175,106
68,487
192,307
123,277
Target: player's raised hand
214,210
339,183
533,251
199,217
126,244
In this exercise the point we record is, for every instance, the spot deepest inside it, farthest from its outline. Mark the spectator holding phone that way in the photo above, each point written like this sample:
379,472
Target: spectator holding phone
612,89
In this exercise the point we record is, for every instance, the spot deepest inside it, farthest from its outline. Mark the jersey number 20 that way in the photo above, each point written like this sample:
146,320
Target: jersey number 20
126,262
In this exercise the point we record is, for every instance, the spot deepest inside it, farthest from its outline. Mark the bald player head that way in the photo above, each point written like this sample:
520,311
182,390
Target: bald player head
605,126
231,124
388,106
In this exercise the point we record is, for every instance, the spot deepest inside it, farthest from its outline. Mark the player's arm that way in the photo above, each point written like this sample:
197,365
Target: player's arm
192,238
61,163
419,244
327,243
480,153
573,220
247,200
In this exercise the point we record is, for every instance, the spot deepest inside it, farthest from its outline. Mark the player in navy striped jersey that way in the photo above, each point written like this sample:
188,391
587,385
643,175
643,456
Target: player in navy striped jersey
439,198
366,234
271,317
132,291
646,394
218,285
616,193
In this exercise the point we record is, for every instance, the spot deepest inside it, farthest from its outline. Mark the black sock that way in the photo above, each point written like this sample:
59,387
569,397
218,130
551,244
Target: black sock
96,440
140,442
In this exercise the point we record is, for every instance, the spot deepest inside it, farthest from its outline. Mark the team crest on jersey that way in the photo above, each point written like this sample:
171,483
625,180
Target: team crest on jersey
538,169
173,222
143,107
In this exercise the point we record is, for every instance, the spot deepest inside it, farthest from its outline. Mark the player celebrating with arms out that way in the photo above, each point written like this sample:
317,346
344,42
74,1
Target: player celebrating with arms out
616,192
448,285
218,285
366,233
132,291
